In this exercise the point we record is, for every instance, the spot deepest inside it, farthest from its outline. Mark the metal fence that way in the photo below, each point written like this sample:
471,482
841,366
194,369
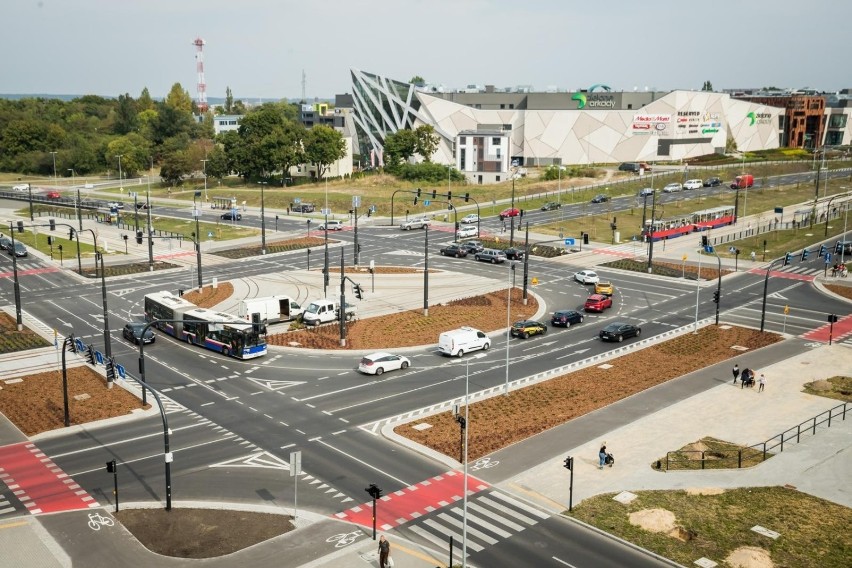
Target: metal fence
734,458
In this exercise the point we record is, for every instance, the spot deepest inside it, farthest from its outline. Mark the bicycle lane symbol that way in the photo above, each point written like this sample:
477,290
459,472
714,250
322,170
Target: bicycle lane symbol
96,520
345,539
484,463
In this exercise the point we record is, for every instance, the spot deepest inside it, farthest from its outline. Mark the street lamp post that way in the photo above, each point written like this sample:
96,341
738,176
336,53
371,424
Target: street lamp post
99,256
54,168
509,327
150,236
197,213
204,162
17,287
426,270
512,219
262,219
120,182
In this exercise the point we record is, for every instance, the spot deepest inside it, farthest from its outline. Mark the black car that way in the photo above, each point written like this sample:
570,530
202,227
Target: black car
566,318
712,182
454,250
473,247
231,216
528,327
133,331
550,206
619,330
20,249
840,247
514,254
600,198
5,243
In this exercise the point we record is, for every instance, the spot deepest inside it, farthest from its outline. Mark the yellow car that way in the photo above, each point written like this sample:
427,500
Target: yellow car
604,287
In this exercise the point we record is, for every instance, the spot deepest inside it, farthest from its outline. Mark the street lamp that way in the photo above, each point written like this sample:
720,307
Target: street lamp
196,212
99,256
509,327
150,236
262,218
120,183
54,167
204,161
512,219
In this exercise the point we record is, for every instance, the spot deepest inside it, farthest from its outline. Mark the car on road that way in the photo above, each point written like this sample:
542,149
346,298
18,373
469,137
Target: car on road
303,208
5,243
597,303
467,231
115,205
53,195
566,318
416,223
587,277
550,206
469,218
332,225
600,198
693,184
527,328
646,191
604,287
21,187
457,342
141,205
843,248
712,182
472,247
132,332
454,250
510,212
490,255
672,188
618,331
231,216
379,362
20,250
513,253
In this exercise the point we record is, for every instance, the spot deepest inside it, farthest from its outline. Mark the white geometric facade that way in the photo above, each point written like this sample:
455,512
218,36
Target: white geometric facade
674,126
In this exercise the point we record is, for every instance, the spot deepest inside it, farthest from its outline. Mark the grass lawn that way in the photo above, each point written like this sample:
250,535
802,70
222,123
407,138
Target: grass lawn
12,340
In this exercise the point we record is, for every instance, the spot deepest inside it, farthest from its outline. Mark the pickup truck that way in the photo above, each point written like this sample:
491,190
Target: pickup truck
416,223
324,311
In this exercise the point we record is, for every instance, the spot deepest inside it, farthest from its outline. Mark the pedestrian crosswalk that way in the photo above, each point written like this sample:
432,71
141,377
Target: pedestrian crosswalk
6,505
491,517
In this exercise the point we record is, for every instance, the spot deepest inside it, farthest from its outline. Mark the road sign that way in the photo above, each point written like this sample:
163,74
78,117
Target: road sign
683,258
295,463
786,310
827,257
99,358
325,211
708,249
209,234
121,372
356,201
779,210
297,200
78,344
569,242
534,280
426,202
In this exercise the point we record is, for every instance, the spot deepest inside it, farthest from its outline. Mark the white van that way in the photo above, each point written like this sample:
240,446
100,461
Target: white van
332,225
272,309
457,342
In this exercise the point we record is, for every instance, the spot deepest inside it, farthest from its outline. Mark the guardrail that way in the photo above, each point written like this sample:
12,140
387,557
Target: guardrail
725,459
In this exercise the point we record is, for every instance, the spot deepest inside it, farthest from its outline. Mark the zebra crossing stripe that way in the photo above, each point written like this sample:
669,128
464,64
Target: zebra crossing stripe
470,530
521,505
483,523
490,515
443,530
508,511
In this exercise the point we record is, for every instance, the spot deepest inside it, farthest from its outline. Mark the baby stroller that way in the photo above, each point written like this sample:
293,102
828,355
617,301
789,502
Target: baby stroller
609,460
747,378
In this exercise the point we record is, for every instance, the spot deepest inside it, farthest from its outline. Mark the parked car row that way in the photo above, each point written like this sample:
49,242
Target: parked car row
479,252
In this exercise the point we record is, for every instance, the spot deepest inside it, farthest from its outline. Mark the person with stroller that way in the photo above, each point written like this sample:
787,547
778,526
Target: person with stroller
604,457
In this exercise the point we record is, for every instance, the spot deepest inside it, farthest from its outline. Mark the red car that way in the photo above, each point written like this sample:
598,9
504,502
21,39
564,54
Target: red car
597,303
53,195
510,212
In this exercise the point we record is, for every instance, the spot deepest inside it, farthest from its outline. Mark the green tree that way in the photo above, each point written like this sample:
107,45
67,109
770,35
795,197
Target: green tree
708,86
144,102
324,146
125,114
175,167
417,80
399,147
240,107
179,99
229,101
134,151
217,163
266,142
427,141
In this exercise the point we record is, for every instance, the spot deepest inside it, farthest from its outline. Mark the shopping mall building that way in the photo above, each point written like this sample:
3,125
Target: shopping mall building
485,131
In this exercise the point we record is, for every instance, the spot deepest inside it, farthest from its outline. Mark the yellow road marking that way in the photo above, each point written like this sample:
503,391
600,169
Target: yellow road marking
13,525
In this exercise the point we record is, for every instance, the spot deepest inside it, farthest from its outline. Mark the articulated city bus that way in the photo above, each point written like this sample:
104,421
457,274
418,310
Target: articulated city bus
672,227
224,333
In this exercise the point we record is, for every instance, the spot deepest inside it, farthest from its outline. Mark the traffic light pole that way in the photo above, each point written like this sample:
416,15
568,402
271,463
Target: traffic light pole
17,286
341,312
765,288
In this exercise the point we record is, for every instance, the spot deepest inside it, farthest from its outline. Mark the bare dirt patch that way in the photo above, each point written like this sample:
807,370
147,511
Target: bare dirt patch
705,491
36,405
201,533
750,557
504,420
654,520
208,296
840,290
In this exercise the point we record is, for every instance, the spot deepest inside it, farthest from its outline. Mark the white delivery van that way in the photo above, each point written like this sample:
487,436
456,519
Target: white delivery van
324,311
272,309
457,342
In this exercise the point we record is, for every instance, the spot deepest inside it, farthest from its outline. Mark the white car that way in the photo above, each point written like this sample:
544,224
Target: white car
587,277
378,363
467,231
21,187
693,184
332,226
672,187
646,191
470,218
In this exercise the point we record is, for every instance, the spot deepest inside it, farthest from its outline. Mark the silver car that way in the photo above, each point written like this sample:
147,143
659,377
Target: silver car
672,187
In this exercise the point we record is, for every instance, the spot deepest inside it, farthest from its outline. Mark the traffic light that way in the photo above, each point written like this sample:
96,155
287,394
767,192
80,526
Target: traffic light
90,355
255,322
110,370
466,197
569,463
369,212
418,193
351,211
822,250
705,242
52,223
20,226
110,466
374,491
788,258
521,213
805,253
71,234
49,240
415,200
715,296
449,195
358,292
434,193
72,345
138,237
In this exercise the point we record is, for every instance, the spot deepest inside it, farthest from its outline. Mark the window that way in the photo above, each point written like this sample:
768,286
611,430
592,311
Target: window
495,141
837,121
502,106
511,105
462,140
462,159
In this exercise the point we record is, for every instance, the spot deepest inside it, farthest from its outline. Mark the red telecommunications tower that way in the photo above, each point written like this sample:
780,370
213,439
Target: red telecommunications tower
199,67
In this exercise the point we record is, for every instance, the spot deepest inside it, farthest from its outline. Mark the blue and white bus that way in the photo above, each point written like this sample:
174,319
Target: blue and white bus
224,333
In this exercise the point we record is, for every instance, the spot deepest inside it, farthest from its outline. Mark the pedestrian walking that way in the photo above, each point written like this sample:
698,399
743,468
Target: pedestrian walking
602,455
753,256
736,372
761,382
746,378
384,553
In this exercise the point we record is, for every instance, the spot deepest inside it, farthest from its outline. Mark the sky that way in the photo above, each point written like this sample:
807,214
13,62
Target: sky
259,48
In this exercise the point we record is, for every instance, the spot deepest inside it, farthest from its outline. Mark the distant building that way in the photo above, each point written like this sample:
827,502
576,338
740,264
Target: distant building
226,122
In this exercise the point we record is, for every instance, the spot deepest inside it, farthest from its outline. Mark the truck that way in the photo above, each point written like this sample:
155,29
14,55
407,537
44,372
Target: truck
324,311
272,309
742,182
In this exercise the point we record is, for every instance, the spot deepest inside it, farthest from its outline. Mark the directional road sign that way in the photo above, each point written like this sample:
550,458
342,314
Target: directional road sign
99,358
569,242
426,202
121,372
